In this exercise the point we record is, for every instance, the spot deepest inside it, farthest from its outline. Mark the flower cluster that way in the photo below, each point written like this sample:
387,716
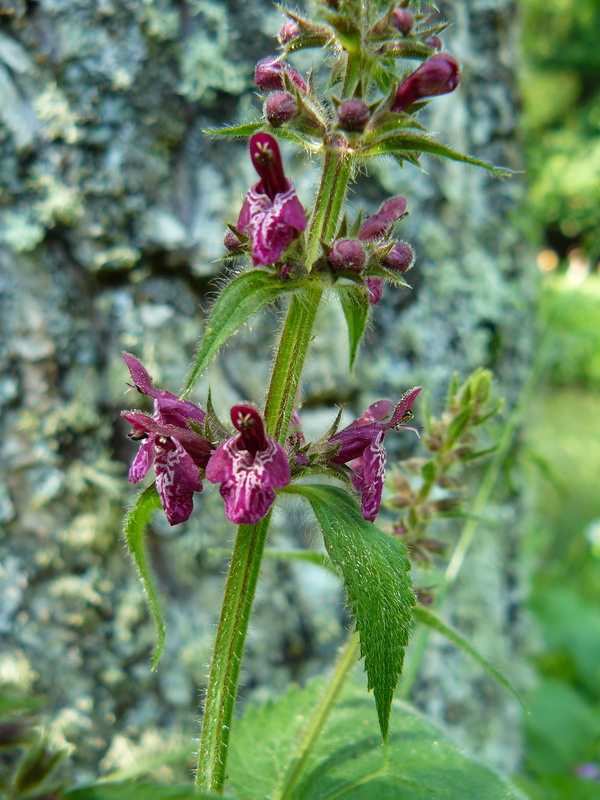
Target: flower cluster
249,466
361,447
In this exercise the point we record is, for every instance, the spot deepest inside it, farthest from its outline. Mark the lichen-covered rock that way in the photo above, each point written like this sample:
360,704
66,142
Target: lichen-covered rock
110,225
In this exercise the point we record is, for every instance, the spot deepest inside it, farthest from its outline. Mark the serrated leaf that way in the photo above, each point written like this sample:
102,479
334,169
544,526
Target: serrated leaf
347,761
430,618
375,569
355,306
422,144
245,129
135,528
238,301
129,790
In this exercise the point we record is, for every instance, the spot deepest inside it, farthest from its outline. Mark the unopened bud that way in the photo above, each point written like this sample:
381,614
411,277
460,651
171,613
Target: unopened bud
400,258
353,115
347,255
434,42
403,21
380,223
231,241
289,30
280,107
438,75
268,75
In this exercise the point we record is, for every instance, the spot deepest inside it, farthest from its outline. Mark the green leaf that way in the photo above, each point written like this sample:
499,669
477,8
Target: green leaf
17,703
348,762
430,618
422,144
238,301
355,306
245,129
135,527
375,569
129,790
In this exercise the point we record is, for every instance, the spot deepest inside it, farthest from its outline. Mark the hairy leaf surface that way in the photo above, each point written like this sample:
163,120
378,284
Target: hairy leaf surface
375,569
348,761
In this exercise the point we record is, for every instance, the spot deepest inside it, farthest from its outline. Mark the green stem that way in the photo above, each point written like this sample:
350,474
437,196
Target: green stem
293,346
321,712
249,546
328,190
229,645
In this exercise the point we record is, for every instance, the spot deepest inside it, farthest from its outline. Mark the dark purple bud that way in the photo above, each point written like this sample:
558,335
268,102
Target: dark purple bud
380,223
268,75
280,107
400,258
289,30
403,21
438,75
374,290
231,241
347,255
353,115
434,42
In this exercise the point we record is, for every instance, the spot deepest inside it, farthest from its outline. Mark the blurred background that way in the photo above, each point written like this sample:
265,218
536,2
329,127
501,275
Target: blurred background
111,223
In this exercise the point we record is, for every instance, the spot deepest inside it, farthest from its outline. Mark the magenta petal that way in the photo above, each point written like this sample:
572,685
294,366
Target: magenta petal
220,465
247,498
139,375
142,462
272,225
405,405
177,479
376,412
275,463
374,477
169,411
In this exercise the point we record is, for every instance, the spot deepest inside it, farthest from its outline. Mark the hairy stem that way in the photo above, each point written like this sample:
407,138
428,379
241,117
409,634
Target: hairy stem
225,668
249,546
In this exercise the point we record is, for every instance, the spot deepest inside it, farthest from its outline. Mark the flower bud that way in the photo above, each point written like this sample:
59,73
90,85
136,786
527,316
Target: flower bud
402,20
347,255
380,223
353,115
268,75
231,241
280,107
434,42
289,30
438,75
400,258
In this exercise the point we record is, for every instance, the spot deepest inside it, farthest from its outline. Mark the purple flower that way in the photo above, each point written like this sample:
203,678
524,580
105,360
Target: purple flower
169,442
374,290
438,75
272,213
361,447
249,466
